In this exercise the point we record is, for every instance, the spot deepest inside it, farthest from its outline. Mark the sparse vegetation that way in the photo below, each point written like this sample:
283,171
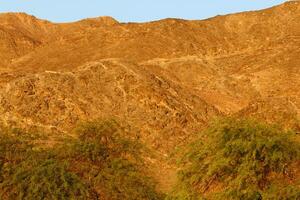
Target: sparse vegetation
168,79
232,159
47,179
240,159
100,164
113,161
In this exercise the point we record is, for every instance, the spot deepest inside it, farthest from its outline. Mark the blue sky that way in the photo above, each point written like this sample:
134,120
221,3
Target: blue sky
131,10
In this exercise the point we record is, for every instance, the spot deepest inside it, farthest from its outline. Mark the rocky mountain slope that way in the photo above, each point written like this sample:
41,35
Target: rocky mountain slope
166,78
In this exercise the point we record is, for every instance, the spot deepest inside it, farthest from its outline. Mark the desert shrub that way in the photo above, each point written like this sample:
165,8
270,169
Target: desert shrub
14,148
282,192
14,145
103,161
104,140
236,159
44,180
121,179
29,173
113,159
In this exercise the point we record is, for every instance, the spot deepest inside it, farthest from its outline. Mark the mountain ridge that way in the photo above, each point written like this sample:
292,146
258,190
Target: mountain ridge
284,4
201,45
167,79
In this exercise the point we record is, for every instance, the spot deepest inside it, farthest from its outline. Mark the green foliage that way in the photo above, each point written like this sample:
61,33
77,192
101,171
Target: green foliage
114,159
103,140
14,145
26,173
122,180
44,180
14,148
239,156
103,162
282,192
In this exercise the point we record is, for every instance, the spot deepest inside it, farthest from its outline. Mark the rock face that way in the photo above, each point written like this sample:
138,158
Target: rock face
156,106
166,78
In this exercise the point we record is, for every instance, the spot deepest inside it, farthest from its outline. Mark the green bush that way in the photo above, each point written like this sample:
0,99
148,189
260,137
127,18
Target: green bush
122,180
114,161
103,162
236,159
282,192
103,140
44,180
14,146
29,173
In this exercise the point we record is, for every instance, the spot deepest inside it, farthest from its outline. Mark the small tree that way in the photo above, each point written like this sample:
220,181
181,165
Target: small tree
240,159
113,160
103,162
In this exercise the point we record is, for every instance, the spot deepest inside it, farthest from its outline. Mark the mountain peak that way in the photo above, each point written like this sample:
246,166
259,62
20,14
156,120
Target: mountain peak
103,20
19,18
17,15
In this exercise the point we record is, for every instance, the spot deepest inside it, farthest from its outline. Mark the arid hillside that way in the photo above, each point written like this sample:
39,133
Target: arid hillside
166,79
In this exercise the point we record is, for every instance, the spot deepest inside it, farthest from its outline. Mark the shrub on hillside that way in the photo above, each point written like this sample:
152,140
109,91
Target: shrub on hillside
99,141
14,146
26,173
240,159
114,162
44,180
102,162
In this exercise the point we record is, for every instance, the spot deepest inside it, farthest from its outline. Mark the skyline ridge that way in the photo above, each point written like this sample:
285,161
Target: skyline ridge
143,22
132,11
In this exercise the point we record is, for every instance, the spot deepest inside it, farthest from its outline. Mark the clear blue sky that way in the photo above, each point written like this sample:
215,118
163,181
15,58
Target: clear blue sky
131,10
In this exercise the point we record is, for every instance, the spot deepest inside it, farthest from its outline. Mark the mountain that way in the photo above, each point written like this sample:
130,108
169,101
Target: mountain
167,79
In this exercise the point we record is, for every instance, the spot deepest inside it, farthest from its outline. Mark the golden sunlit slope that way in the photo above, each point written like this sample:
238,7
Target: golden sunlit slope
170,38
20,35
166,78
